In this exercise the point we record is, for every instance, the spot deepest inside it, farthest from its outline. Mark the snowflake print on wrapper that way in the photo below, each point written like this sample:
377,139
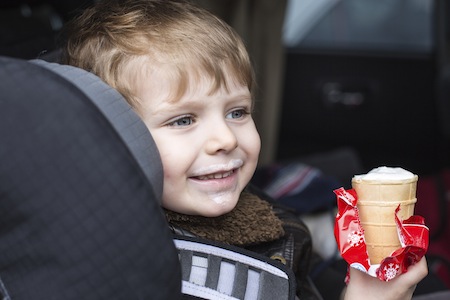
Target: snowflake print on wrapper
355,238
390,271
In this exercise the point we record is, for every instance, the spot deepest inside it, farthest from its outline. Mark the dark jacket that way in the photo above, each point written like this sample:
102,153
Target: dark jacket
291,245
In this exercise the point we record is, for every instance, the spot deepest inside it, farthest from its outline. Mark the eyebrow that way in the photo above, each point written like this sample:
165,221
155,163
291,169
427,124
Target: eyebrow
172,107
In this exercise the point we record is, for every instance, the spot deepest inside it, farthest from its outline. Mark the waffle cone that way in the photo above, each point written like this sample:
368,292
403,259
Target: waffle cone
377,201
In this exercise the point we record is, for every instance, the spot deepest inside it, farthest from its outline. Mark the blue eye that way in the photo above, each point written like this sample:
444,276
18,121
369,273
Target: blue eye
181,122
237,114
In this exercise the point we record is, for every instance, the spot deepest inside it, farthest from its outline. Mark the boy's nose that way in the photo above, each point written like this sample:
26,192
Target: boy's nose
221,139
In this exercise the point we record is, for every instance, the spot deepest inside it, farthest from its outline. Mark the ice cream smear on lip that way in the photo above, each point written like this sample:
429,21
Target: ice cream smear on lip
219,194
386,173
206,172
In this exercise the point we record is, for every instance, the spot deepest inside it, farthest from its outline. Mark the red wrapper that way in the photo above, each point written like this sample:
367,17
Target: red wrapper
413,236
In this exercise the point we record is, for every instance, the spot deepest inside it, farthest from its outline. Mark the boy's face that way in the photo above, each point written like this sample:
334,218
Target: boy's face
208,144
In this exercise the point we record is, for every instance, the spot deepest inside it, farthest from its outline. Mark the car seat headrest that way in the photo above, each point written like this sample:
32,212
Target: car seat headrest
119,113
81,182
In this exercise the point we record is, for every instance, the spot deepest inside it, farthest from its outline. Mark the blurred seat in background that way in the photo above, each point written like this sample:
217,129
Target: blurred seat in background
30,28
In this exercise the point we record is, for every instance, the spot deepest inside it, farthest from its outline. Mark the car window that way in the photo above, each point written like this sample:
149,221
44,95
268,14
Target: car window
373,25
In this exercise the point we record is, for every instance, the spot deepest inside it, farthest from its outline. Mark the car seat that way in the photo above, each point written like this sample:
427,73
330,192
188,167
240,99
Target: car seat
80,183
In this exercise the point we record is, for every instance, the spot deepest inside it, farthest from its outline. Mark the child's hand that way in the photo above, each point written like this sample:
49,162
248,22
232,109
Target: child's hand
363,286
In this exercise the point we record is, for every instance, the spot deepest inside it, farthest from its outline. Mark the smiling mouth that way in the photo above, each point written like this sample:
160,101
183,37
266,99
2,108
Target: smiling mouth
219,175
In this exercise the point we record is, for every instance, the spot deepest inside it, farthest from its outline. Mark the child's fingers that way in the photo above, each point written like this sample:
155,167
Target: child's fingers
401,287
415,273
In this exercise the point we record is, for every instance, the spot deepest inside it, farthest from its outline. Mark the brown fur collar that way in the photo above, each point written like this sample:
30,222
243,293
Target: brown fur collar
252,221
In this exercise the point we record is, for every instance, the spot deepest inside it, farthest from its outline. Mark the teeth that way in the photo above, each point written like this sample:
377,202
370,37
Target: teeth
215,176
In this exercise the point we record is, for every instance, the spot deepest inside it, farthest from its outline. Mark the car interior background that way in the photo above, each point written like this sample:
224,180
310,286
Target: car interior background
344,86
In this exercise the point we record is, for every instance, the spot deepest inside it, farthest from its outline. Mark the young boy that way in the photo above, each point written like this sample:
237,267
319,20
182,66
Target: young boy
188,75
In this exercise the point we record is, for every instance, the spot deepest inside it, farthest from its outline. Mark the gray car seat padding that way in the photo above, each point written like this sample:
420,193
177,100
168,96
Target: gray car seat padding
80,215
121,116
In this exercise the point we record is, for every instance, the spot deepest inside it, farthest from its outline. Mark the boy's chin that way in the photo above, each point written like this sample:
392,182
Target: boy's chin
216,208
211,205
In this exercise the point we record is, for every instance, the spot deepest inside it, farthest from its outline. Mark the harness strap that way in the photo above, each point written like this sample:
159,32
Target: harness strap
217,271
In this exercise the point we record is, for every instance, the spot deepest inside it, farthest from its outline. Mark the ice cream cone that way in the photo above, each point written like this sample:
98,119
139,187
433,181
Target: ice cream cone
378,197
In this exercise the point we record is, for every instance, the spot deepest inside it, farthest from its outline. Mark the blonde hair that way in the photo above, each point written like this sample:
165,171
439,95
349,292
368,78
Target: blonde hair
112,37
